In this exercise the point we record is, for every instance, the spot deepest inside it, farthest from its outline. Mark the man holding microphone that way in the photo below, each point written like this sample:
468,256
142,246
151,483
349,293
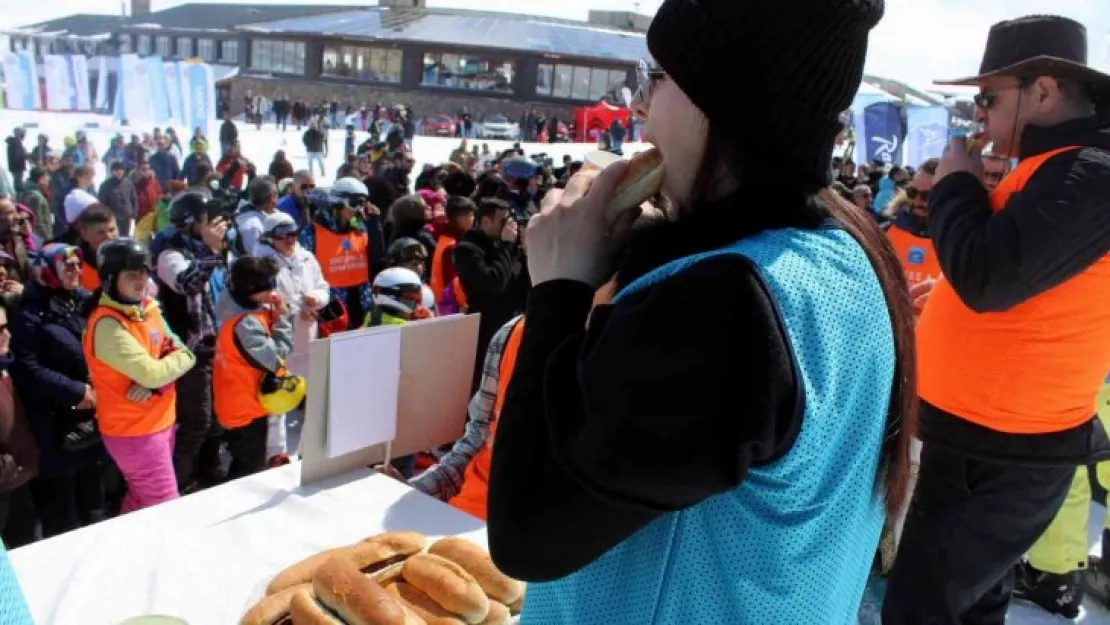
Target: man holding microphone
1014,342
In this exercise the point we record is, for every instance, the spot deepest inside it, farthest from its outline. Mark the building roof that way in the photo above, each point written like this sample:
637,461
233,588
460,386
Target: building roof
79,25
469,28
225,17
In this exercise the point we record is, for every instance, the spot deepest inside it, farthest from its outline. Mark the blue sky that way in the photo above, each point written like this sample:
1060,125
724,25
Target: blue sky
917,41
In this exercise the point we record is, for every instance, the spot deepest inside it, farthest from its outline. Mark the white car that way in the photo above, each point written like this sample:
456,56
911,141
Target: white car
499,127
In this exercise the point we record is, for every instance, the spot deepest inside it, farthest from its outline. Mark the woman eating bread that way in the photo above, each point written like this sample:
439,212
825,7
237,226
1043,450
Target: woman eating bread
721,442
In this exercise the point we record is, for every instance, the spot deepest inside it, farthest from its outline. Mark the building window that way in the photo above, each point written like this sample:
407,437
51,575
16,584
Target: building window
125,44
580,83
229,51
285,57
463,71
184,47
144,45
362,64
162,46
206,50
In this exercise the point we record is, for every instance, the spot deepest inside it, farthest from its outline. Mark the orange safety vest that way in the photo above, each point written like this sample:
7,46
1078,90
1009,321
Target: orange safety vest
236,382
90,278
474,493
919,259
438,279
1035,368
343,257
115,414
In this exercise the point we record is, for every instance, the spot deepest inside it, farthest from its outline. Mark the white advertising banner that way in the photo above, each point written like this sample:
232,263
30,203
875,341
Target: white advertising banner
80,67
56,77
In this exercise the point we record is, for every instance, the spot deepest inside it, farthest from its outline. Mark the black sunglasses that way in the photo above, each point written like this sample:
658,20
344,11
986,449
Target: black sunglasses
646,77
987,98
307,187
917,194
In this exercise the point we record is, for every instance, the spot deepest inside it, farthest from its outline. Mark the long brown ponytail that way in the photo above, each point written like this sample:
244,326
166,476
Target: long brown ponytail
901,420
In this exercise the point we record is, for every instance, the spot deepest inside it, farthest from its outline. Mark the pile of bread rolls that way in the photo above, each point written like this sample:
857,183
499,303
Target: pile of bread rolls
391,579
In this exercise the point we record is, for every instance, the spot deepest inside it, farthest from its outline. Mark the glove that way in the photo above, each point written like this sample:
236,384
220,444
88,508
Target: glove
167,347
139,394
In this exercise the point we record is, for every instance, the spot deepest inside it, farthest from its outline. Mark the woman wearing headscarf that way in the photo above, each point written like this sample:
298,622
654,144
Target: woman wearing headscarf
52,378
658,467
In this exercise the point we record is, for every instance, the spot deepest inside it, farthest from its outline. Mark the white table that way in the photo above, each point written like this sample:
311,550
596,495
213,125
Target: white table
206,557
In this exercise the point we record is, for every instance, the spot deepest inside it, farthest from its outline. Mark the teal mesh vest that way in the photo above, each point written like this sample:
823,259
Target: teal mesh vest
793,544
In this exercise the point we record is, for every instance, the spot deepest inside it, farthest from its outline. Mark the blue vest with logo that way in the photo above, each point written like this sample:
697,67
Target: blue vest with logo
795,541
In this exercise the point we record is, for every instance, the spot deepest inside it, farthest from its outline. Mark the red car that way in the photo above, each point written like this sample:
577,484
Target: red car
440,126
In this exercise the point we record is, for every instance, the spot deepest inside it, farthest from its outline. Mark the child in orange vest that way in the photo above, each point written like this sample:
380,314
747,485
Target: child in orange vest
134,360
255,337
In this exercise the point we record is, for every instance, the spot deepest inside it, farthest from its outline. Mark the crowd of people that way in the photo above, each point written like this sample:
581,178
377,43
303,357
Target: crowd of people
916,353
152,361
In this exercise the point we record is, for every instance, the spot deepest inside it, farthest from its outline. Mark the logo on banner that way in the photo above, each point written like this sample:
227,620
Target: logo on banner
884,149
932,134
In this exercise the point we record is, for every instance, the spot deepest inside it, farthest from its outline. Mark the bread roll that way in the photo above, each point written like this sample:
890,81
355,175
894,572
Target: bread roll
421,604
303,610
379,552
370,554
301,572
356,598
478,563
498,614
449,585
642,179
273,608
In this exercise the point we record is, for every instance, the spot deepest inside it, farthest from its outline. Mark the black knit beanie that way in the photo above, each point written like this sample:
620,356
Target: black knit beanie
793,65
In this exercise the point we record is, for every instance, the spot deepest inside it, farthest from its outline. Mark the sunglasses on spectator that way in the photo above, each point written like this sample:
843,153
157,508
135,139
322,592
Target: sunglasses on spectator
356,202
917,194
995,176
987,98
73,264
646,78
307,187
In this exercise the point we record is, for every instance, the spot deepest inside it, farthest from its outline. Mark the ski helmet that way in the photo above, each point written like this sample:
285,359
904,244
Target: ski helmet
398,290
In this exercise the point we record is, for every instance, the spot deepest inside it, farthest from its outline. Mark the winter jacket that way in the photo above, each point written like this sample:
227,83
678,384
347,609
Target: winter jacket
19,455
35,200
133,154
148,192
300,210
300,275
228,132
120,196
60,185
315,141
234,171
248,227
265,347
280,170
88,153
166,167
50,373
74,153
360,295
114,155
189,168
17,156
186,289
492,275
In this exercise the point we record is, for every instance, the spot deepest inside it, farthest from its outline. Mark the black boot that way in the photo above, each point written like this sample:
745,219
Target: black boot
1055,594
1096,579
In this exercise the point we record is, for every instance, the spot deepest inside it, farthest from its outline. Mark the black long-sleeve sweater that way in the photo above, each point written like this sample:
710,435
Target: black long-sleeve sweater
668,398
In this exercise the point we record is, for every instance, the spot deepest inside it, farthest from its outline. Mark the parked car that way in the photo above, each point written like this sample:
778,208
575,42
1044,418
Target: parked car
440,126
499,127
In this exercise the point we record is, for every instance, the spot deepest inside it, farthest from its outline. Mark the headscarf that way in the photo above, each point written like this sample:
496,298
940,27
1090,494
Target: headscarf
49,264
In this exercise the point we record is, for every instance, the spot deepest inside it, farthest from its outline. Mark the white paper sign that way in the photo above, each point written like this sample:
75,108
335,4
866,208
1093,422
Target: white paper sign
364,374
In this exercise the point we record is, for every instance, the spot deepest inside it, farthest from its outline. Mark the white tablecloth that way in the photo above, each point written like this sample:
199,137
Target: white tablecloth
204,557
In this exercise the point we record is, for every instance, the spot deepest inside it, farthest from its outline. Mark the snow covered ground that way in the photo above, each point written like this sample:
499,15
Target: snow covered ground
259,146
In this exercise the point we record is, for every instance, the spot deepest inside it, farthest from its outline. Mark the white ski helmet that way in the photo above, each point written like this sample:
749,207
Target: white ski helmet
349,187
428,300
398,290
